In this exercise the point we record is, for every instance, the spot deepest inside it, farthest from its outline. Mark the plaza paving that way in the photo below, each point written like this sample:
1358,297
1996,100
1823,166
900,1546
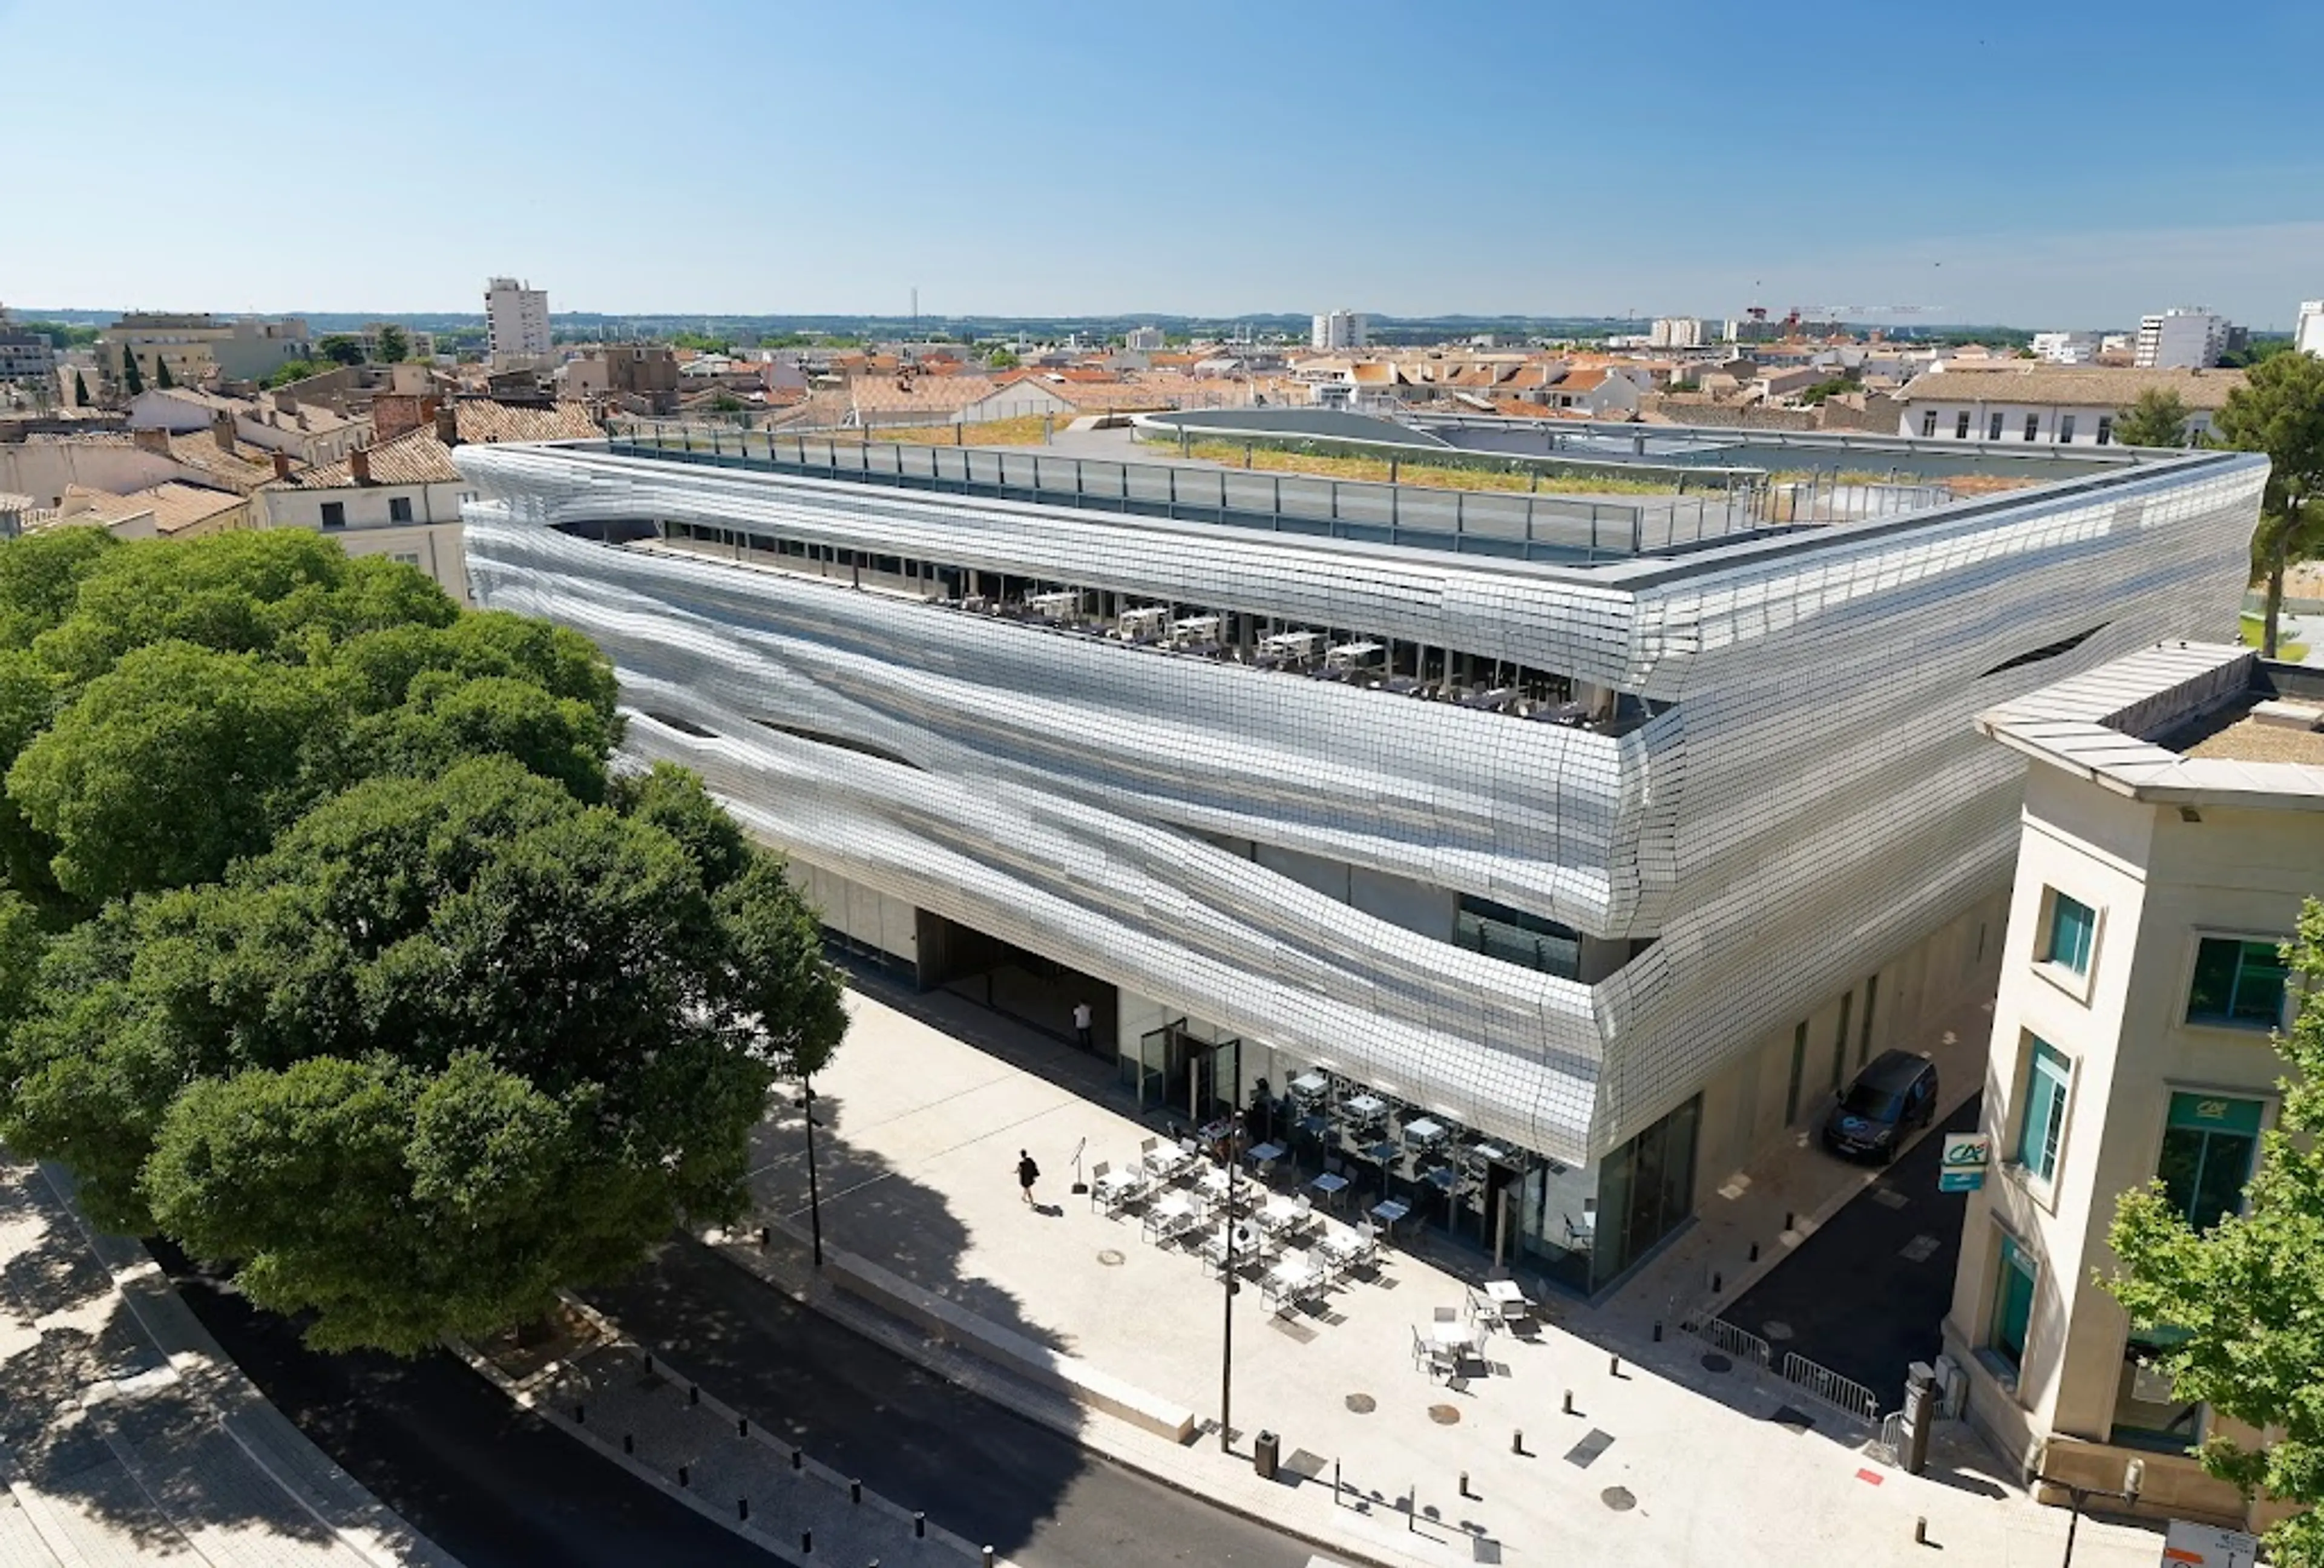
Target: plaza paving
125,1434
1664,1460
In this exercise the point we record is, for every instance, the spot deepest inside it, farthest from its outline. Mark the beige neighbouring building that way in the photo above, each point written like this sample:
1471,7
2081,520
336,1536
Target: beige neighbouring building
2174,822
401,497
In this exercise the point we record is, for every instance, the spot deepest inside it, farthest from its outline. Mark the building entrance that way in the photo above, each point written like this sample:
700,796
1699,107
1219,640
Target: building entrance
1026,986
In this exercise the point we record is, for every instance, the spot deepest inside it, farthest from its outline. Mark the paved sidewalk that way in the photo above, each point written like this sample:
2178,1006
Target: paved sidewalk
643,1414
1664,1460
125,1433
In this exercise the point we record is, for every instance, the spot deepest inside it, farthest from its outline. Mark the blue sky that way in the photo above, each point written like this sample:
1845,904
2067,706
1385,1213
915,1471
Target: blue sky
2062,164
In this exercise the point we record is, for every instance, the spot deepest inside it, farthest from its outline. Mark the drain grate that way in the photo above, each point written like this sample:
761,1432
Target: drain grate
1715,1362
1585,1453
1920,1249
1113,1258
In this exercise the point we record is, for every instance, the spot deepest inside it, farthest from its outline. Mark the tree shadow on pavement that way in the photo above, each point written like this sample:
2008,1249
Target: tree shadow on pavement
92,1412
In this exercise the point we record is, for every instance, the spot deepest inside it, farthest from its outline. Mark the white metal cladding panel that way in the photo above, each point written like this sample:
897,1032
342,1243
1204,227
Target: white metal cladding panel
1837,802
1817,801
1534,620
1522,813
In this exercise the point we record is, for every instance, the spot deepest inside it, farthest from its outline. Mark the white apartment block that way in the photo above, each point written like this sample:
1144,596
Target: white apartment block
516,325
2066,347
2171,830
1339,329
1589,839
2307,335
2018,403
2183,338
1143,339
1678,332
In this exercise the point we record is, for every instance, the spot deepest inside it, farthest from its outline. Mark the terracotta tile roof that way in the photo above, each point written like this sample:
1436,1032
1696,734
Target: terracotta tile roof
482,419
242,471
177,507
929,394
413,457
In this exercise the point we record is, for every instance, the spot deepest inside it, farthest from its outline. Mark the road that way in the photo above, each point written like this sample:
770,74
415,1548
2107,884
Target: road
1867,1294
489,1484
498,1488
974,1467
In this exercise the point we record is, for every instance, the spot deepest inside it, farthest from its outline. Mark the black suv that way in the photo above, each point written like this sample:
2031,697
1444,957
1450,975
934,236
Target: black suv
1895,1093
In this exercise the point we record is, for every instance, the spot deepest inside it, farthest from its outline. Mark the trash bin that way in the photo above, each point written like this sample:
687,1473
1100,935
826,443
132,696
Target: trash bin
1264,1451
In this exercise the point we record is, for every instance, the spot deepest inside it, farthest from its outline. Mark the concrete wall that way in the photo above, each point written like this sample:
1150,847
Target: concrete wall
2157,883
43,469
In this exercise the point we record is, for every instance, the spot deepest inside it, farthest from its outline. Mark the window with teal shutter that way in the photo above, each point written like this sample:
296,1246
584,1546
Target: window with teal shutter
2073,931
2207,1156
2013,1305
2237,983
2043,1123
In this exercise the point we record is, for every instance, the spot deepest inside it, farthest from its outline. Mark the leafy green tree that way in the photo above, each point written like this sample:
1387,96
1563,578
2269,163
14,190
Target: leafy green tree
170,765
80,391
292,370
2158,419
161,376
133,380
1002,359
340,348
2245,1299
394,345
366,974
2280,411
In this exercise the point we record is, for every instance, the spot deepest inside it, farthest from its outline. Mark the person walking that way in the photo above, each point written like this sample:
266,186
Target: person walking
1082,1017
1027,1172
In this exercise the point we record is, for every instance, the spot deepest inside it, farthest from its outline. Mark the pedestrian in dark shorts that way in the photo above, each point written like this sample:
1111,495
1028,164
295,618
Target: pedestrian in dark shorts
1027,1172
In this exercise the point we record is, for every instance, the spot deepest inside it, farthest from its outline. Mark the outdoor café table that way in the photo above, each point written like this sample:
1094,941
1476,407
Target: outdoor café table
1310,1083
1164,1159
1367,1106
1290,1279
1265,1155
1510,1302
1341,1246
1390,1213
1115,1185
1456,1336
1280,1214
1330,1184
1211,1183
1421,1130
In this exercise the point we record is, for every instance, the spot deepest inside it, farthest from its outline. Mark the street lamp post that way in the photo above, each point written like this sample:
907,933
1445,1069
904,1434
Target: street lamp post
2134,1476
805,1102
1227,1273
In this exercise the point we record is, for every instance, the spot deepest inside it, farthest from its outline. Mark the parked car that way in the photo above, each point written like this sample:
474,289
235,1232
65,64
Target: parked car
1895,1093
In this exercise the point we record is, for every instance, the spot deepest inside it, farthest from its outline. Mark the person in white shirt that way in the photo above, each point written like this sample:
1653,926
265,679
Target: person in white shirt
1082,1017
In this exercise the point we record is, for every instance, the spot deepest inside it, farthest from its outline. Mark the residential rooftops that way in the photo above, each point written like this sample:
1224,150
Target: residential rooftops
2092,386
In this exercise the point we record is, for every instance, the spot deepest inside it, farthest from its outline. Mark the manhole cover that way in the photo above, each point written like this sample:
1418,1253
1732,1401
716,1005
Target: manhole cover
1920,1249
1889,1197
1776,1328
1618,1499
1362,1403
1112,1258
1715,1362
1445,1415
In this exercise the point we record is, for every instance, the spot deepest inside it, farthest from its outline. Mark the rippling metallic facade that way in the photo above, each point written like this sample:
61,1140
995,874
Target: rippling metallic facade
1809,797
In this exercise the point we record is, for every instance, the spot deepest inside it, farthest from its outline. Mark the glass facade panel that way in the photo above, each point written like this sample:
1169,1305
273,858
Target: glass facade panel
2237,983
1645,1190
2073,928
1513,937
2044,1122
2013,1305
2147,1411
2207,1156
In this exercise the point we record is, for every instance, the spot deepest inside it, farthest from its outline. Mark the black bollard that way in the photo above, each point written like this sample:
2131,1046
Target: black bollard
742,1510
1658,1331
1613,1366
681,1475
580,1416
1755,1252
799,1458
1715,1286
1921,1531
742,1426
856,1490
628,1443
648,1363
1517,1441
806,1542
1464,1484
693,1394
1791,1221
920,1526
765,1235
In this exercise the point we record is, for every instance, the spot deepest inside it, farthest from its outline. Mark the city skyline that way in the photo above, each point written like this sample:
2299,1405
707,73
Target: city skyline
1061,163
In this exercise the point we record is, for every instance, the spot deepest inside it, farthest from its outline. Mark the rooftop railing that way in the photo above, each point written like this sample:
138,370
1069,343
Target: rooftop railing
1564,529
